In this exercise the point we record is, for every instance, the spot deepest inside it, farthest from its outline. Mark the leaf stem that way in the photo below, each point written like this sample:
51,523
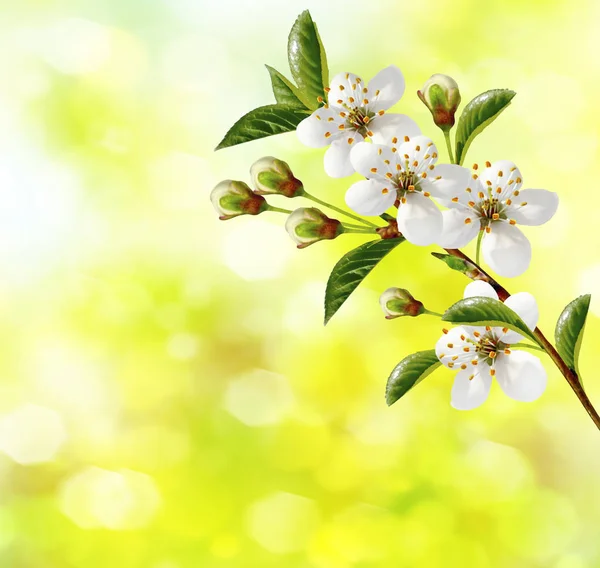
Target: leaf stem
351,215
449,146
361,230
478,246
527,346
429,312
278,209
569,374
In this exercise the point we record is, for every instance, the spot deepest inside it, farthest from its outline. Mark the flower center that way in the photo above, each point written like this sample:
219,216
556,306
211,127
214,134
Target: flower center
487,345
490,209
358,119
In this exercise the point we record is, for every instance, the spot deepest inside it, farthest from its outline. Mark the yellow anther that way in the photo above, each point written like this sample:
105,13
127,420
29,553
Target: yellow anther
385,191
406,139
365,101
493,355
450,345
488,230
342,86
488,165
471,204
509,202
512,222
350,140
475,167
500,174
327,134
418,148
444,331
524,203
492,372
468,221
374,170
319,99
495,216
394,140
426,194
455,200
351,99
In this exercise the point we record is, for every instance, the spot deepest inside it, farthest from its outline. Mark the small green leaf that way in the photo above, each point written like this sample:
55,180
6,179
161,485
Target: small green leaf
261,122
410,372
569,330
486,311
352,269
477,115
286,93
308,62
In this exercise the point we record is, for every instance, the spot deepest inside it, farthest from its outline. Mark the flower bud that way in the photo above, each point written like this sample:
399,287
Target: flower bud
308,225
234,198
441,96
397,302
273,176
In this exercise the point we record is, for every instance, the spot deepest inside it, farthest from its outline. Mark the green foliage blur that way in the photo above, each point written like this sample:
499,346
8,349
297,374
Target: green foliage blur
169,395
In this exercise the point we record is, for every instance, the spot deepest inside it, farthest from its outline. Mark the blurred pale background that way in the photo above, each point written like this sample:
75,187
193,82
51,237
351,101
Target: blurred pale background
169,396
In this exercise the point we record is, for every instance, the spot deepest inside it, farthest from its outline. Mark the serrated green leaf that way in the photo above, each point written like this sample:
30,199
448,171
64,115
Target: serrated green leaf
569,330
352,269
261,122
486,311
308,62
477,115
409,373
286,93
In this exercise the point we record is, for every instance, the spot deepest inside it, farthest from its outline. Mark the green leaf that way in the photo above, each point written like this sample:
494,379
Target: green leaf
477,115
308,62
352,269
286,93
486,311
569,330
410,372
261,122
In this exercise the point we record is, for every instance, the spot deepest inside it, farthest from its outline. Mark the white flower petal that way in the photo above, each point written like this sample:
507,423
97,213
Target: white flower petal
468,394
343,86
481,289
525,306
419,220
389,126
506,249
367,197
390,84
456,232
540,206
369,161
337,159
453,183
311,131
502,174
451,344
521,376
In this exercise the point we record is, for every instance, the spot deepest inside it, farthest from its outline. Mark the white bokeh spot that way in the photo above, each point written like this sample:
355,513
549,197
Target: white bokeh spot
259,398
31,434
117,500
283,522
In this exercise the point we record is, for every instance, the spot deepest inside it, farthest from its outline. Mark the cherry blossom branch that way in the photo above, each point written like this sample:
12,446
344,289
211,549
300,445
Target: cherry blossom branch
568,373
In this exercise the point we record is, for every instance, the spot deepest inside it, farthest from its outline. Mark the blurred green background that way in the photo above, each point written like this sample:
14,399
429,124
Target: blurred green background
169,396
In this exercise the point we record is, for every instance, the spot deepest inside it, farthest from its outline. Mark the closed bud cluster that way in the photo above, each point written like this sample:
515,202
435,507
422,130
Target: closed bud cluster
233,198
309,225
441,96
272,176
397,302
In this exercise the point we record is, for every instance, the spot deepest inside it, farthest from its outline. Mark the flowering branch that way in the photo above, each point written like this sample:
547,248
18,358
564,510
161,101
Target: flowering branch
569,374
401,170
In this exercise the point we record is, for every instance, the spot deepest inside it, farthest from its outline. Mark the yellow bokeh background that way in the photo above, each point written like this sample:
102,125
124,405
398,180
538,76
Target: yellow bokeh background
169,395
